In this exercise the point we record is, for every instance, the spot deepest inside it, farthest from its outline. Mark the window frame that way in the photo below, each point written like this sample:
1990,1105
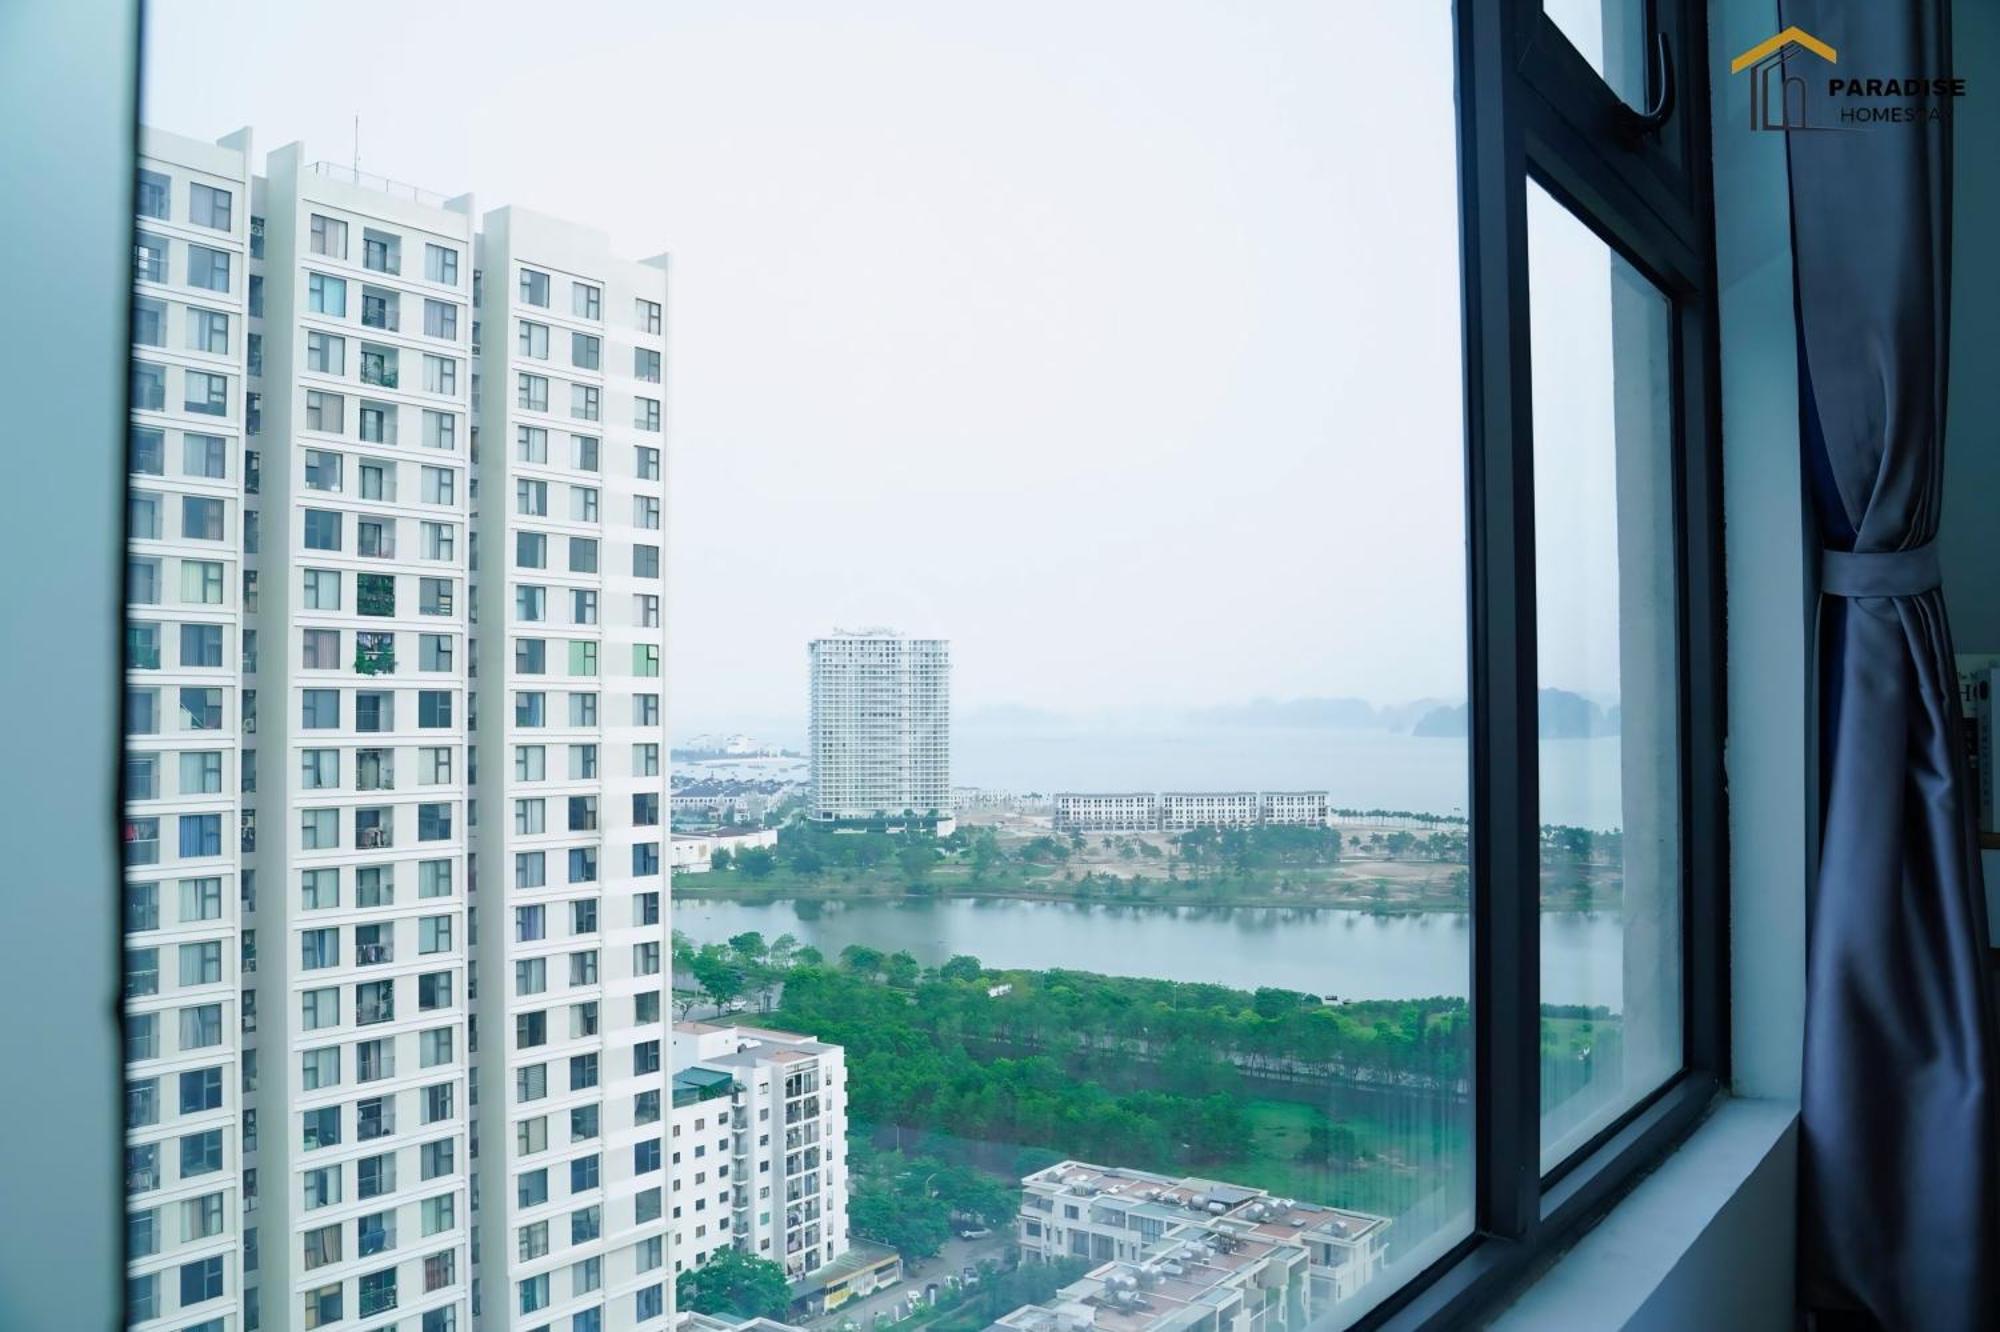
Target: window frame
1531,107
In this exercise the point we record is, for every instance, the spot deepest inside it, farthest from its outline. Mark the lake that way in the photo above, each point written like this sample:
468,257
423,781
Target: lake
1349,954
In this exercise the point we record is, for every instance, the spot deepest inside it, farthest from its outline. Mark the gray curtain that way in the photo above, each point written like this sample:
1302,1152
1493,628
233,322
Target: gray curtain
1898,1218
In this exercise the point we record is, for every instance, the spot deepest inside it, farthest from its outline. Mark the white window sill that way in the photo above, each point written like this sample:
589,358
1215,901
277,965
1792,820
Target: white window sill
1707,1240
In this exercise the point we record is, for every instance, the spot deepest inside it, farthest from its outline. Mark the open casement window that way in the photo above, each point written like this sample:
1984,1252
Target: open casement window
1592,450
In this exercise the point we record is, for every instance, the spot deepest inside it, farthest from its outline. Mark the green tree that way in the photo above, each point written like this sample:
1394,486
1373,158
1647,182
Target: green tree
960,967
721,977
720,860
862,959
901,969
916,861
736,1283
757,861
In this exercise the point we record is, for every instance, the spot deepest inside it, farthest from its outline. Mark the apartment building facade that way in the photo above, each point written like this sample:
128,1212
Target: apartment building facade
880,728
1110,812
183,719
759,1146
304,1075
572,783
1181,811
362,1098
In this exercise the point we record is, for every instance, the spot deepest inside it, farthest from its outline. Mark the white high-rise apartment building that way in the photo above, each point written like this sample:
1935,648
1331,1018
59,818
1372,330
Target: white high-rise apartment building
362,1100
183,1158
304,834
572,934
881,728
759,1146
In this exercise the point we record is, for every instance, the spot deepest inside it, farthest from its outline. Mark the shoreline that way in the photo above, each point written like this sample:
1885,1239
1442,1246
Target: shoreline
766,897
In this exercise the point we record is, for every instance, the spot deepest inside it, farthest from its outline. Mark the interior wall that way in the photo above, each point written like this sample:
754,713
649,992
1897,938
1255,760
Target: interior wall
67,87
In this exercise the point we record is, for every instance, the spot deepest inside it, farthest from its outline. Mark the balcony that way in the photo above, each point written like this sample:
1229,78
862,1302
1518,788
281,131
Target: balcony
374,839
374,955
375,600
377,660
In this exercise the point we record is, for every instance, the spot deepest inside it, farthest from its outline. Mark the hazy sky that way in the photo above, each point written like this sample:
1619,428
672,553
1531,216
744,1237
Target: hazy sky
1117,342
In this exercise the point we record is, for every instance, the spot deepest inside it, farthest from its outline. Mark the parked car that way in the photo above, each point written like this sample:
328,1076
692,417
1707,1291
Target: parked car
974,1232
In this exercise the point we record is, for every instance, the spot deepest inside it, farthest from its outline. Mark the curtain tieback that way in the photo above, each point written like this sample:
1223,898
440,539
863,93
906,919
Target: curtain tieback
1879,573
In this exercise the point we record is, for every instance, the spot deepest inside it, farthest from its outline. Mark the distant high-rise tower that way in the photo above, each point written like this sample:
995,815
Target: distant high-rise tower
881,728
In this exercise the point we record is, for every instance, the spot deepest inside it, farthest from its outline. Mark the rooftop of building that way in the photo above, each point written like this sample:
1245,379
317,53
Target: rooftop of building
860,1256
1239,1209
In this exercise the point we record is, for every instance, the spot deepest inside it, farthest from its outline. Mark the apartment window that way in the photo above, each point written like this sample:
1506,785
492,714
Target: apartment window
530,603
438,1214
326,354
533,1240
646,414
154,196
208,269
585,402
380,308
648,313
583,657
204,456
583,504
256,302
530,708
149,322
201,518
253,350
320,1128
205,394
319,651
201,1153
440,431
378,423
645,709
201,645
532,340
434,652
435,596
326,412
201,772
149,387
378,482
530,923
208,207
583,714
646,759
530,656
440,486
582,1075
646,365
322,529
201,1281
441,319
441,264
646,512
531,550
534,287
146,452
645,561
532,393
585,351
379,365
440,374
582,606
320,589
142,520
381,251
208,331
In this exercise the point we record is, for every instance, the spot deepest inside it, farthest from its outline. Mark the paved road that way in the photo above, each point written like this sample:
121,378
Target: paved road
956,1254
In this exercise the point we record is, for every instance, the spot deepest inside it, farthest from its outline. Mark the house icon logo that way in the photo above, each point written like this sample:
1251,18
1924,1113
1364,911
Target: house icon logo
1777,93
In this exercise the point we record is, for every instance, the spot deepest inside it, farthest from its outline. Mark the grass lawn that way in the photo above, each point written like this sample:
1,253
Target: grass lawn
1396,1163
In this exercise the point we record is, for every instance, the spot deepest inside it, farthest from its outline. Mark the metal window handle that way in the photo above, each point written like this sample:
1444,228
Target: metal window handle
1638,124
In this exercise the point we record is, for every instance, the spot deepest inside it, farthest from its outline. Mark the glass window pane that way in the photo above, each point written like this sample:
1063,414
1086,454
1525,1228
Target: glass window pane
1607,652
1611,35
1189,975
